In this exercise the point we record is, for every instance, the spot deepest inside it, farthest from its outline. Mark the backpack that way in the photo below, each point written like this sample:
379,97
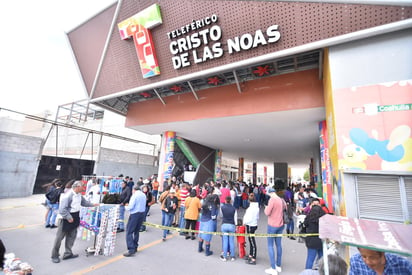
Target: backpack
285,214
54,195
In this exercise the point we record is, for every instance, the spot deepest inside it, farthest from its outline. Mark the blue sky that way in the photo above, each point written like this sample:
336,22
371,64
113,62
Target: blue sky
37,68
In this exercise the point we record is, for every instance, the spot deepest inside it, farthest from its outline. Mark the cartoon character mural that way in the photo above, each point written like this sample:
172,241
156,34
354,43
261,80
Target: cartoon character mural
395,152
380,136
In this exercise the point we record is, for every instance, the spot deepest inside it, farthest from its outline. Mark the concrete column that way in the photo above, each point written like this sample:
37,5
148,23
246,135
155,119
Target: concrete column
280,171
254,173
265,174
241,168
218,166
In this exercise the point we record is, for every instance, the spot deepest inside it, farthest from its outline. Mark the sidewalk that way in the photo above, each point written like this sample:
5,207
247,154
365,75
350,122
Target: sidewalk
23,233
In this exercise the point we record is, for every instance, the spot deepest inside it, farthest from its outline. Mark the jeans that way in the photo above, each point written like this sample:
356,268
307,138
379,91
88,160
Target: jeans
182,218
291,226
155,193
132,231
237,202
121,217
228,241
143,227
278,242
51,216
168,222
310,259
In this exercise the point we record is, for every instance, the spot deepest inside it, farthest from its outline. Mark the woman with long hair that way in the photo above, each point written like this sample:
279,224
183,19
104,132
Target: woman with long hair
207,222
313,243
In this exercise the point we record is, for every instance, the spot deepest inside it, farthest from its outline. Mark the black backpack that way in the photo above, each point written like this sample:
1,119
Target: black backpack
54,195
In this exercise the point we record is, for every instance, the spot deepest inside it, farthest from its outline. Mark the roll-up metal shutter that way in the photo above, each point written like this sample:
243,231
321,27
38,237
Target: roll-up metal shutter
408,191
379,197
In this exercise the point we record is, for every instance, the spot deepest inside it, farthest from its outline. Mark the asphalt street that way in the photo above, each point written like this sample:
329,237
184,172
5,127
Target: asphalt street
23,233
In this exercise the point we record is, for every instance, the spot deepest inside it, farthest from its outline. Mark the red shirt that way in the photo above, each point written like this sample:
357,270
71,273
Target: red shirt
225,192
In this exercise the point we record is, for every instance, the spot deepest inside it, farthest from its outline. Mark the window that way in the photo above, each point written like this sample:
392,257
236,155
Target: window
384,197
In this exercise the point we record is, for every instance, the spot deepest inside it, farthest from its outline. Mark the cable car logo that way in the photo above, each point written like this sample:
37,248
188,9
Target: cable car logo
138,26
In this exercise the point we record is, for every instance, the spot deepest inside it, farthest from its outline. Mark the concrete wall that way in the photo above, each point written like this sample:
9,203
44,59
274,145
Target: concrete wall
19,159
379,59
114,162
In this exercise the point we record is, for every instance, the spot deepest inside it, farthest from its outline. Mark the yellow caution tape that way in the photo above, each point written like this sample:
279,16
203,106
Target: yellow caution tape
225,233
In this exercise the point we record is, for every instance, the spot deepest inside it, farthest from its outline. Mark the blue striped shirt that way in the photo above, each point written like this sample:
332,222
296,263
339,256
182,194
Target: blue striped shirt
395,265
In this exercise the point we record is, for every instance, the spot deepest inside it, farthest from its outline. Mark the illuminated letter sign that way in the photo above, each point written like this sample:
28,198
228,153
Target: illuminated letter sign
138,27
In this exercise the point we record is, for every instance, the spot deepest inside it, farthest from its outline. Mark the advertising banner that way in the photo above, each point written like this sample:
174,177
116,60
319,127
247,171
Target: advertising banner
377,235
166,161
375,127
218,166
187,151
325,163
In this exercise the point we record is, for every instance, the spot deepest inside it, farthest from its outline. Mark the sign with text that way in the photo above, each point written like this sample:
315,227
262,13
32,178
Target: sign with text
200,41
377,235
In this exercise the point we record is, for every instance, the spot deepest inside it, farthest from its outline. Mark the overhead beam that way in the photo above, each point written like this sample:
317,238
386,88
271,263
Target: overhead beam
237,82
161,99
193,90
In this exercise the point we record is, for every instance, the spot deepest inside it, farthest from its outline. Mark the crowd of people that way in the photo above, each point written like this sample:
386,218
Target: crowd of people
199,207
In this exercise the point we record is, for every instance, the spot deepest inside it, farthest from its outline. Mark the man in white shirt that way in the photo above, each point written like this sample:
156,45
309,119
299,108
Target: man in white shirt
69,209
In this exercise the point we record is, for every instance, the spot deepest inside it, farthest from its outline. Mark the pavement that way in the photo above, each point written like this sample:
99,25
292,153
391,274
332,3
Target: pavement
23,233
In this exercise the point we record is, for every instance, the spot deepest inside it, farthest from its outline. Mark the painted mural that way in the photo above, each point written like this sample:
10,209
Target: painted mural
374,126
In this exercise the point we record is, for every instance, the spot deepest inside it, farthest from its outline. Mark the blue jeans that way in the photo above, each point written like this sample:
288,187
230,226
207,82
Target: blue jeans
278,242
168,222
291,226
228,241
51,216
155,193
182,218
310,259
132,231
121,217
143,227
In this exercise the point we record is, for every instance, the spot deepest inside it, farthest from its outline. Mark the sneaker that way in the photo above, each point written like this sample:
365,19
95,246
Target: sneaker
129,254
278,269
56,260
252,262
47,225
53,226
222,258
232,259
71,256
164,239
271,271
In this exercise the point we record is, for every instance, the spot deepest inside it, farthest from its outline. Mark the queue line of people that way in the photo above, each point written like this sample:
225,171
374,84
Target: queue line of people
201,206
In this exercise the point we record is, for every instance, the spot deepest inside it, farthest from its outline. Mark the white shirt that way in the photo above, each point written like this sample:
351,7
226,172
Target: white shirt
94,194
251,216
76,202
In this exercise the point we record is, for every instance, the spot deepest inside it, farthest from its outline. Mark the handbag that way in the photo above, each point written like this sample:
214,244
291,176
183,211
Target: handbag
286,219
